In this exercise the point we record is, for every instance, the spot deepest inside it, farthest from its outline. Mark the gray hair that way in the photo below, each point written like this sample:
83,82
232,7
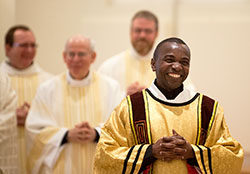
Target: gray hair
81,37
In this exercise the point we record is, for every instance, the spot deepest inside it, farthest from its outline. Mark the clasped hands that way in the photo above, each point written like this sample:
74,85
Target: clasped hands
81,133
21,113
172,147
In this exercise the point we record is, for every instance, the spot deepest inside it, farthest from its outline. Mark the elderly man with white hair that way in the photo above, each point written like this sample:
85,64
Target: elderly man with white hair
67,113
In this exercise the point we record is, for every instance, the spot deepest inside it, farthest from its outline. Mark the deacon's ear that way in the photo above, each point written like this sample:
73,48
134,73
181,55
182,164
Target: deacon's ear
153,64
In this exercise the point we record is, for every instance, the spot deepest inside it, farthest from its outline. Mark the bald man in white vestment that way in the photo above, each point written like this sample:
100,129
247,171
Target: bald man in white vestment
67,113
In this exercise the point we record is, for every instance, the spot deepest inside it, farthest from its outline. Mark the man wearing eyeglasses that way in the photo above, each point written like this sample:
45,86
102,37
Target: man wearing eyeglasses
65,117
25,75
131,68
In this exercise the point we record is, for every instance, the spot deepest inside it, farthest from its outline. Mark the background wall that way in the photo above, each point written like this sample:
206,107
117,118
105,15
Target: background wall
107,22
218,34
216,31
7,19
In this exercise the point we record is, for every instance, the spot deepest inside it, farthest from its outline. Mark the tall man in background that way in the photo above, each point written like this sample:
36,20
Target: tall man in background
25,75
131,68
64,122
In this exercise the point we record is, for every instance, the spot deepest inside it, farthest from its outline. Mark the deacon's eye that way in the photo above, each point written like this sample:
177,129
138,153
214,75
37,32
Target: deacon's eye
185,63
169,60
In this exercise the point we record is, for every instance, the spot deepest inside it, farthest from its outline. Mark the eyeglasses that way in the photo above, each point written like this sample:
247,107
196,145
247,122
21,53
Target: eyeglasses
25,45
79,54
139,30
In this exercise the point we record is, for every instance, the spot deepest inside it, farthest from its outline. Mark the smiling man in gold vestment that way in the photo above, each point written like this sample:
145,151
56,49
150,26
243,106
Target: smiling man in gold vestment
168,128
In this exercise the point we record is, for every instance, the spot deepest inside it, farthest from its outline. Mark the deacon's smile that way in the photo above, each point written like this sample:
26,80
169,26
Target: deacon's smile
174,75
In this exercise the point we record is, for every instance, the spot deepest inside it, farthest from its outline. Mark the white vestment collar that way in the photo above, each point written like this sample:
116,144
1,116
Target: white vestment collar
32,69
79,83
135,54
184,96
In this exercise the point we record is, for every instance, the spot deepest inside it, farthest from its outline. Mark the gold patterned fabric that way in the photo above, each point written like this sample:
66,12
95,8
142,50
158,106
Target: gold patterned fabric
117,151
8,129
59,105
25,83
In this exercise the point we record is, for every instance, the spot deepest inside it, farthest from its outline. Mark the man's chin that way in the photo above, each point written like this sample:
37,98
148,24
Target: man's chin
142,44
26,64
142,50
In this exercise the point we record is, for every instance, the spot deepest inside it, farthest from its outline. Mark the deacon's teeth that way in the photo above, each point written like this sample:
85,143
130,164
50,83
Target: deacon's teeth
175,75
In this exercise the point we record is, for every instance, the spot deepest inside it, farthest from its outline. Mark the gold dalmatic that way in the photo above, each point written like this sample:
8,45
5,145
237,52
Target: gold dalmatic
139,120
196,117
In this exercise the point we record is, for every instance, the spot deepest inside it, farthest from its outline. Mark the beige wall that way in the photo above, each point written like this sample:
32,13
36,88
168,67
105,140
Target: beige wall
217,32
7,19
107,22
219,39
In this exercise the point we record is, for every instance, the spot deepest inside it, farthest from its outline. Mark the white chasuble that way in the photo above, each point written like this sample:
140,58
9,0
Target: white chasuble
8,128
25,83
60,104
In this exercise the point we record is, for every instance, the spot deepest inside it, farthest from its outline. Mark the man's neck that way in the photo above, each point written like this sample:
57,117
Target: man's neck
79,78
170,95
19,68
138,55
